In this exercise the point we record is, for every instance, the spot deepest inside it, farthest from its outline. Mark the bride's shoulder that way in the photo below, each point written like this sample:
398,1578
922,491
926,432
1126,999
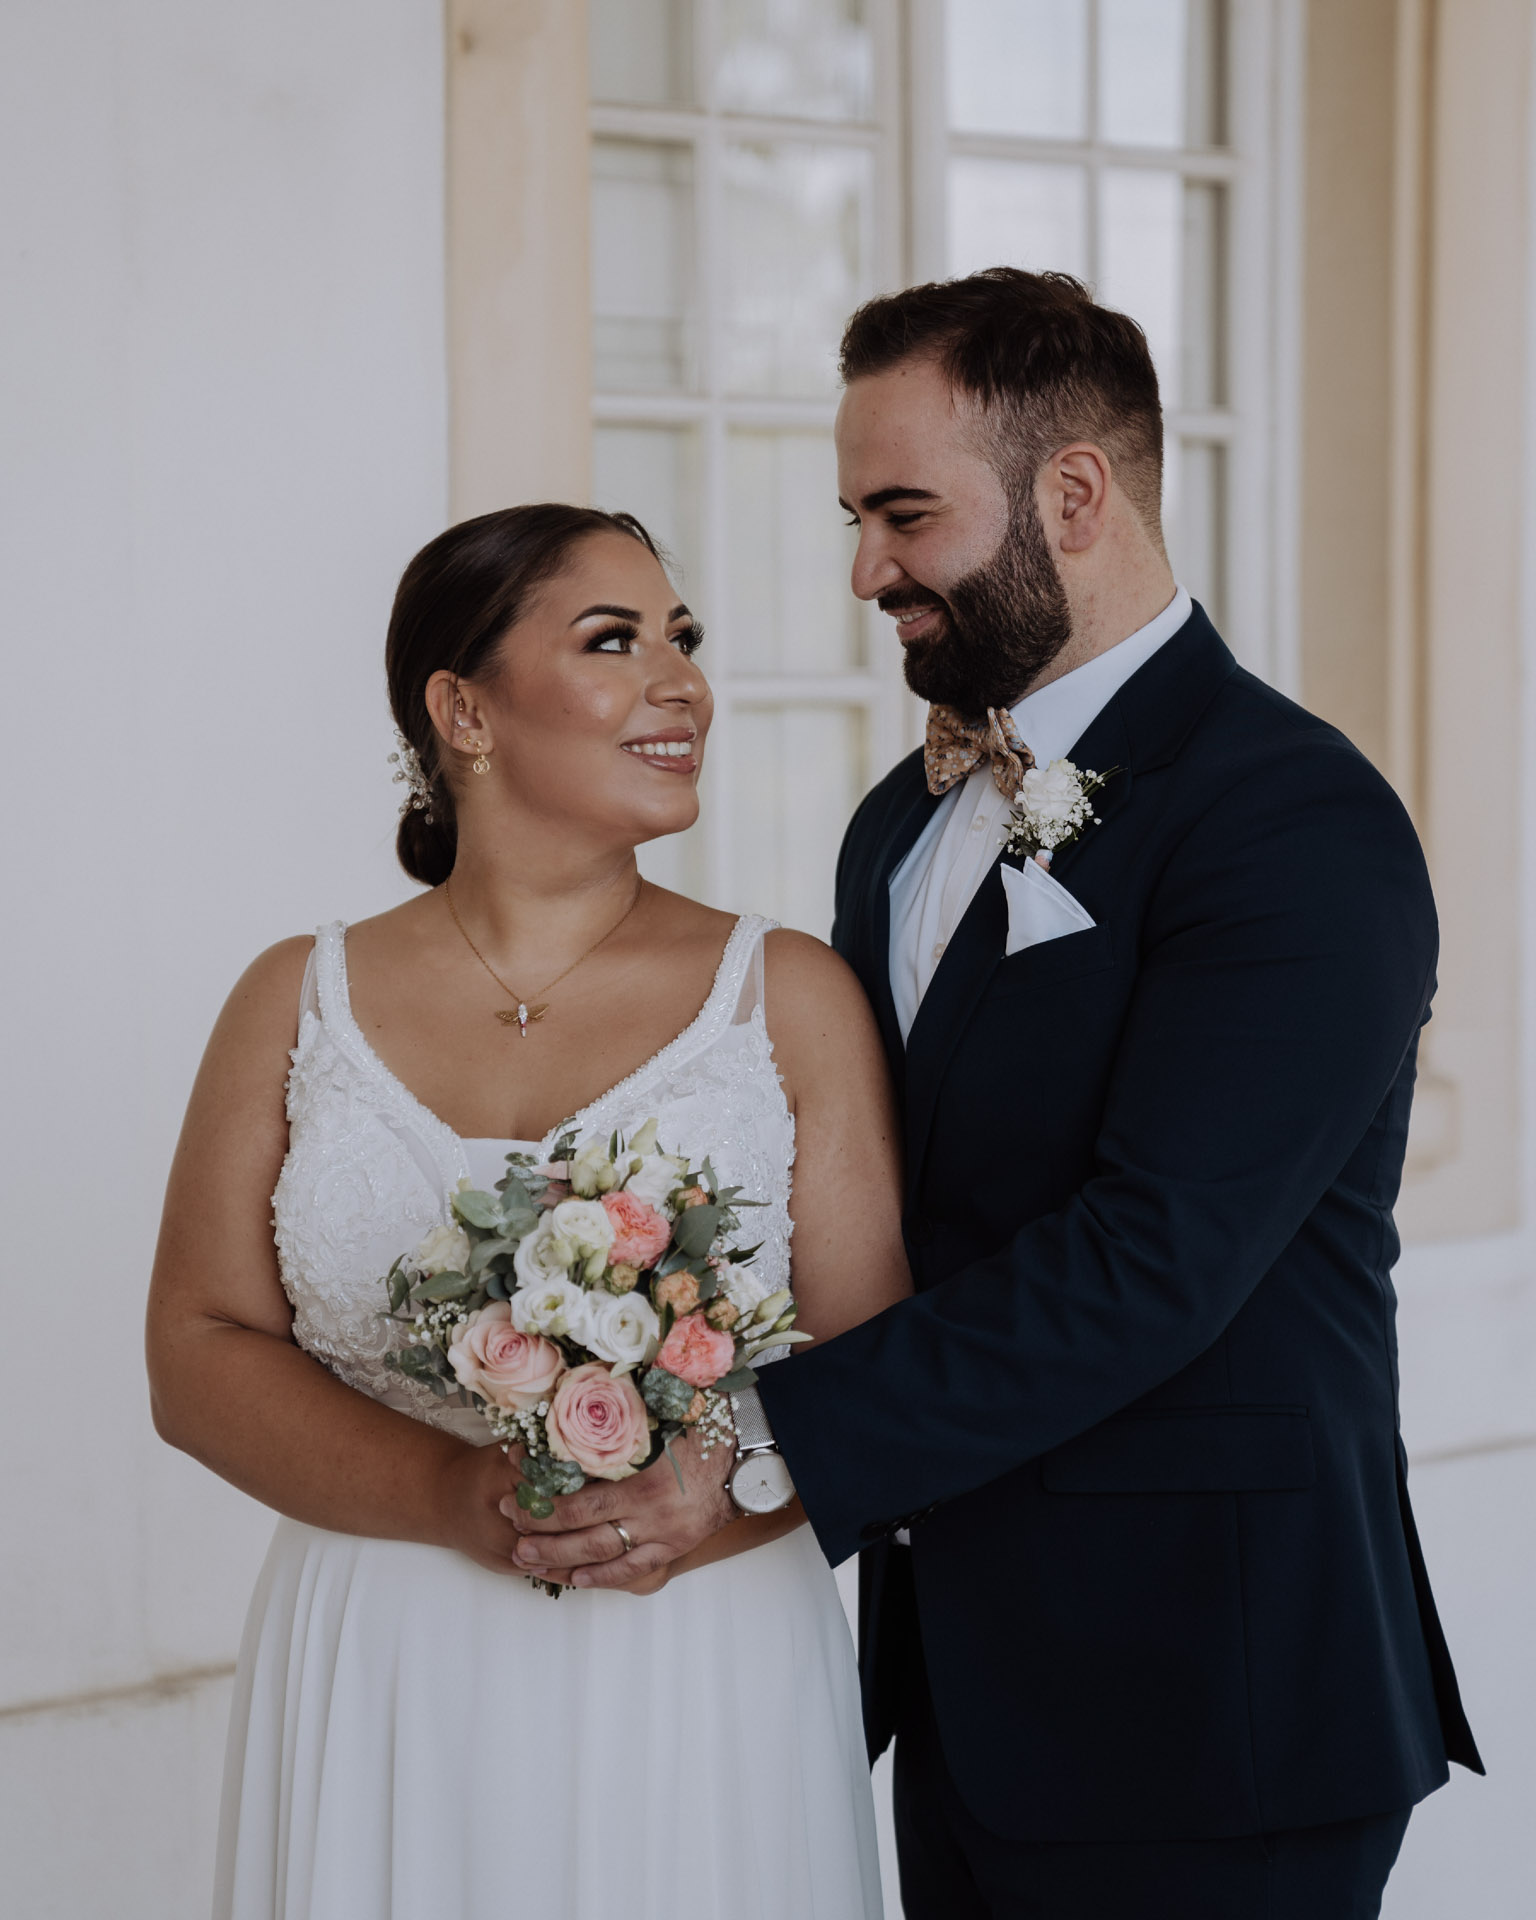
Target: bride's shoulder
803,977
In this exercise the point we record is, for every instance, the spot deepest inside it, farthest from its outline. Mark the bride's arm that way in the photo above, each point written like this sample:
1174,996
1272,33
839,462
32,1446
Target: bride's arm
848,1260
228,1383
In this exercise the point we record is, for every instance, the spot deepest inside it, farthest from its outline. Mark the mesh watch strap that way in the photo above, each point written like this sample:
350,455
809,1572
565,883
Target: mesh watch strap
752,1428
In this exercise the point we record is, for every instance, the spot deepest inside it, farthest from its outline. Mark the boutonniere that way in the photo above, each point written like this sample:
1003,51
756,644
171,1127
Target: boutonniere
1053,808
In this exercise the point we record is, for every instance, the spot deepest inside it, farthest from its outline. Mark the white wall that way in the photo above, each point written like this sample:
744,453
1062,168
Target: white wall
222,410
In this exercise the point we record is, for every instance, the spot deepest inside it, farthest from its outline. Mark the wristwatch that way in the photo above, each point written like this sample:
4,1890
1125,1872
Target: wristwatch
759,1481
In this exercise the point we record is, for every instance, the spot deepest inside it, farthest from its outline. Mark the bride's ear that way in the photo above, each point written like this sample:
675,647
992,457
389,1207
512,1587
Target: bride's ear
456,714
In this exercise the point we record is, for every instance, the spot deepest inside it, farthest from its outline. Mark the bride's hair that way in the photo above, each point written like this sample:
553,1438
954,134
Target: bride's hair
455,601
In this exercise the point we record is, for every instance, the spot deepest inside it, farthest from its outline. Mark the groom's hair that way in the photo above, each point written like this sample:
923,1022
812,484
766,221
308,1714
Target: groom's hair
1046,364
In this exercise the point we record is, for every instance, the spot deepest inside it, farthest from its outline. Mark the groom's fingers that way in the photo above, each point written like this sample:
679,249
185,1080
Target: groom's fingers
589,1507
578,1549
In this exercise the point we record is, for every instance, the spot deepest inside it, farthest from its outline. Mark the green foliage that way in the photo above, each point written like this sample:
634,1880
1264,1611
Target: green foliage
695,1230
667,1397
445,1286
477,1209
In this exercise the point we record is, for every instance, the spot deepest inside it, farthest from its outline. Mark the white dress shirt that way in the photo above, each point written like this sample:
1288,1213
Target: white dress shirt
937,881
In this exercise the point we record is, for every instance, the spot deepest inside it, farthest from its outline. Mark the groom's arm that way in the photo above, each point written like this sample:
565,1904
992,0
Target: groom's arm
1289,964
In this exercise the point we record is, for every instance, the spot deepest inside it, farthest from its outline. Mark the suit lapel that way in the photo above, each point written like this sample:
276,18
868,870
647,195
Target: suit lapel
970,960
906,820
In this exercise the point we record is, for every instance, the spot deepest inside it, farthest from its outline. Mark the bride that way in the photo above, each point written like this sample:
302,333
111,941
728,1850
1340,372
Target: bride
417,1733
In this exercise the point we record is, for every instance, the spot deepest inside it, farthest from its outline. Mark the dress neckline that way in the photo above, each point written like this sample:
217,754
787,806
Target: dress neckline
340,1010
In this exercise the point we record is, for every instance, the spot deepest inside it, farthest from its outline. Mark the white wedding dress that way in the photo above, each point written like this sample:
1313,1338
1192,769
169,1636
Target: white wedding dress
414,1737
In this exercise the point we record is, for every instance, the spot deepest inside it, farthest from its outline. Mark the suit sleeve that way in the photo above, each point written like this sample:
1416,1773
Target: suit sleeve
1286,967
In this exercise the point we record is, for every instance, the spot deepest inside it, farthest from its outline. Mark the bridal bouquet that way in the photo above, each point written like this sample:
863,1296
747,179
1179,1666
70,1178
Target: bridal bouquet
591,1308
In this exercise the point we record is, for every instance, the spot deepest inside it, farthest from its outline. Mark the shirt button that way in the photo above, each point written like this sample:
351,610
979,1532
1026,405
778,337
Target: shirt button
938,952
977,825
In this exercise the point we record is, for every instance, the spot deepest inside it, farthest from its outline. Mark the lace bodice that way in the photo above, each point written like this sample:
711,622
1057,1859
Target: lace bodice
369,1168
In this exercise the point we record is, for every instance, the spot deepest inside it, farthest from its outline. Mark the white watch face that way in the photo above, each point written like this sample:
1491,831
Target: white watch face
761,1483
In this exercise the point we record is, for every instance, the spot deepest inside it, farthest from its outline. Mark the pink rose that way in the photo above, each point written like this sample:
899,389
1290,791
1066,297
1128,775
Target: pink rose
510,1369
640,1235
697,1352
598,1421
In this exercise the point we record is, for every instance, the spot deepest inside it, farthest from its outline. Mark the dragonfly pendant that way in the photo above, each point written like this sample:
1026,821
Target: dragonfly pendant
522,1016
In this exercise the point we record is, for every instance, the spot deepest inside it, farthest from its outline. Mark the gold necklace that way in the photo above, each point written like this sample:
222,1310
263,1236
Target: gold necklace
526,1013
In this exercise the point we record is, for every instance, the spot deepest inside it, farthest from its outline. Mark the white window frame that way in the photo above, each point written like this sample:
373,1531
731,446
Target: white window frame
875,691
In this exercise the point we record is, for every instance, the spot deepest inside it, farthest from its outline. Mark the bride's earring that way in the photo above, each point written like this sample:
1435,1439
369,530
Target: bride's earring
481,763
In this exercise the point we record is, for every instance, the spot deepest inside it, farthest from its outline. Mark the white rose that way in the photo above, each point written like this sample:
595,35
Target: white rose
658,1176
553,1307
585,1224
445,1250
1053,795
592,1172
623,1329
743,1287
542,1255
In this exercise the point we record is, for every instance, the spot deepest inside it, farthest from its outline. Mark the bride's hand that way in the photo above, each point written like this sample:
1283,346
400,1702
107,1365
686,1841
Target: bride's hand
583,1546
474,1484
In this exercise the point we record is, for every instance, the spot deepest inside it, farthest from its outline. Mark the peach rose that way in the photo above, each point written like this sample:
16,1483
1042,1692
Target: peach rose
697,1352
598,1421
640,1235
510,1369
691,1197
679,1291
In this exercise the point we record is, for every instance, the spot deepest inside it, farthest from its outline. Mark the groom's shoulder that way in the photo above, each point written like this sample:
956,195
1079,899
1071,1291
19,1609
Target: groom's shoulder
1255,753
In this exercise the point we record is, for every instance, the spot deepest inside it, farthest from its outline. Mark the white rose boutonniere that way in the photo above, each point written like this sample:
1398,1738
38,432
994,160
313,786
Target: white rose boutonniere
1053,807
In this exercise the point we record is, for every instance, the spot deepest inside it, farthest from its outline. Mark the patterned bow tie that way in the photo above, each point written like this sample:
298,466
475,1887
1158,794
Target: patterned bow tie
955,745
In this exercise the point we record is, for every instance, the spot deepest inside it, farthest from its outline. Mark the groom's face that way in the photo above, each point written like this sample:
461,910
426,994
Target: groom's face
968,577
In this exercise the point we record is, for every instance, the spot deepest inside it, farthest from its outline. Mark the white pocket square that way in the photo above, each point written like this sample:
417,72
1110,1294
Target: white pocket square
1039,908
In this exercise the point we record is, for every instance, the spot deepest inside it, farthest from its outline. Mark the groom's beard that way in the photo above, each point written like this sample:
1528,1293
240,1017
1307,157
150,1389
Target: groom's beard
1002,625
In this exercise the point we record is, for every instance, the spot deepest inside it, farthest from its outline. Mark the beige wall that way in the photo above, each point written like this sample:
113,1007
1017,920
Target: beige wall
518,327
1414,353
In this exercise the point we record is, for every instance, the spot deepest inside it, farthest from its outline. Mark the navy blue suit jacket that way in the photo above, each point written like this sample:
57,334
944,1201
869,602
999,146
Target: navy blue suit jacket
1144,1403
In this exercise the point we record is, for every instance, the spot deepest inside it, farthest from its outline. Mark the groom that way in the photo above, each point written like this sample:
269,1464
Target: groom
1142,1599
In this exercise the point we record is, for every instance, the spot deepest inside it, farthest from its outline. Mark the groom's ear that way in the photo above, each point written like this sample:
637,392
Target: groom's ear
1072,492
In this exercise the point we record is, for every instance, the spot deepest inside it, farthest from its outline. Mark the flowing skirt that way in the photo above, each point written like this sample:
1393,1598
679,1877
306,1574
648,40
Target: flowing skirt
416,1738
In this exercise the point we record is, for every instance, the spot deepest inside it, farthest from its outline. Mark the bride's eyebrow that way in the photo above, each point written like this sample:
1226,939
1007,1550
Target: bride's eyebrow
609,613
679,612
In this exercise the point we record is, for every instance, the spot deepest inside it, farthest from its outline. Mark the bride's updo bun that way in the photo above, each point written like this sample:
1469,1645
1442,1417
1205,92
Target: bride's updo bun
455,601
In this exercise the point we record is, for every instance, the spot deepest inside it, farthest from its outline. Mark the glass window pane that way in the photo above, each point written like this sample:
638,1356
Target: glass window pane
795,232
1018,66
790,554
653,473
642,266
797,774
1162,72
639,52
1010,213
1141,217
1142,60
1194,520
1203,309
808,58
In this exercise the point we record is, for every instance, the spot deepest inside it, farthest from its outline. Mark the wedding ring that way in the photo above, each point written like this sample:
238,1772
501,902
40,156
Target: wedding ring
623,1532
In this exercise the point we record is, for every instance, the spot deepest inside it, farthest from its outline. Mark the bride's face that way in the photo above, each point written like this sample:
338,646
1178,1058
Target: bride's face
595,712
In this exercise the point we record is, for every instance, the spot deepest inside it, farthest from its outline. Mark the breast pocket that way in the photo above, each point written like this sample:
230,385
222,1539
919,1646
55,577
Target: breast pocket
1065,958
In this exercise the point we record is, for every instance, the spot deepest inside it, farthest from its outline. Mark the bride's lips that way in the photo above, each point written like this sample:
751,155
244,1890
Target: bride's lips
668,751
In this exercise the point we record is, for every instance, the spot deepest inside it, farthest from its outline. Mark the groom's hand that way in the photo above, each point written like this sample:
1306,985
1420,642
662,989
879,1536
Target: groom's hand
582,1546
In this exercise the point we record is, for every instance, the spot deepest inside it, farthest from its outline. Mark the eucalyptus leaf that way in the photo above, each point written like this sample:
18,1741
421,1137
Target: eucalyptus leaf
496,1287
736,1381
399,1287
477,1209
709,1283
695,1230
446,1286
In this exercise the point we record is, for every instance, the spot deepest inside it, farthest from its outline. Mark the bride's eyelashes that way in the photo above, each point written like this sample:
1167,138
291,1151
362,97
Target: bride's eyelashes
620,639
